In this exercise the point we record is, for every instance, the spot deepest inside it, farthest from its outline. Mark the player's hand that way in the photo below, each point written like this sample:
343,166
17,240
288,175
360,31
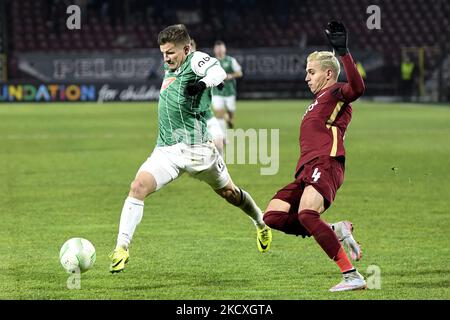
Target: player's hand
193,89
337,36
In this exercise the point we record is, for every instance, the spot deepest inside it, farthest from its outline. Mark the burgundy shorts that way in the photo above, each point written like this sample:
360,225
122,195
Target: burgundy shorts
325,174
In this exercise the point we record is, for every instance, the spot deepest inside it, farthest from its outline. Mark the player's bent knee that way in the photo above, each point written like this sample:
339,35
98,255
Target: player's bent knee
312,206
278,205
231,195
312,200
271,219
139,190
303,218
309,219
220,114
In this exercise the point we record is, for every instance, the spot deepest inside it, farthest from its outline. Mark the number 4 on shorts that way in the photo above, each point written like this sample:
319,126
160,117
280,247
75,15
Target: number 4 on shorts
316,174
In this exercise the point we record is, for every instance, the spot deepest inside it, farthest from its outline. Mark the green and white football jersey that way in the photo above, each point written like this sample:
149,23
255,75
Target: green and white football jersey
181,118
230,65
205,103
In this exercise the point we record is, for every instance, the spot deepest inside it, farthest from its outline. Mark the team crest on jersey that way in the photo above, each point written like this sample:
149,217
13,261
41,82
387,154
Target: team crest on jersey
312,105
167,83
310,108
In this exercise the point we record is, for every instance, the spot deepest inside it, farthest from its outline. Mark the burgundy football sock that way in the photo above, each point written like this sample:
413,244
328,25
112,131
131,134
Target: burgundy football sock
321,231
286,222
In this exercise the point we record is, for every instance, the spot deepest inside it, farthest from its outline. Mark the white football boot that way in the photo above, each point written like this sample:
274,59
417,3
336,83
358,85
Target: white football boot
343,230
352,281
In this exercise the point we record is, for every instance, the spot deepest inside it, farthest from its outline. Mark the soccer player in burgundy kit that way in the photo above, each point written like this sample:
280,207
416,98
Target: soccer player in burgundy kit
296,208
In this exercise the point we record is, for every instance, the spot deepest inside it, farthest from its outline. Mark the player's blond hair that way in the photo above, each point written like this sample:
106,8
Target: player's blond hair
327,60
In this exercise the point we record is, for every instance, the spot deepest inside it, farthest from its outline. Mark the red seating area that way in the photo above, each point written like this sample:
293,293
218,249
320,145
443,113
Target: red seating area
41,25
36,27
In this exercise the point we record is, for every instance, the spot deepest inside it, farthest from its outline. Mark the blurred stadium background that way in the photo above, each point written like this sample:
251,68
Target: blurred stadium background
116,46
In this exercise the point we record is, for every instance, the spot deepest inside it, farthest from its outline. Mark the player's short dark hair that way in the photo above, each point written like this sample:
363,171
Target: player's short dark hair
219,43
193,44
177,34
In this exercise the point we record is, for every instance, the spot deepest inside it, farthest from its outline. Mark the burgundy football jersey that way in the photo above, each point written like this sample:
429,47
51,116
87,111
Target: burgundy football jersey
325,121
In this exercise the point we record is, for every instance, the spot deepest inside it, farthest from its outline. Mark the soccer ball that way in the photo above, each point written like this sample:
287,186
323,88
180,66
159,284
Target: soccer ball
77,255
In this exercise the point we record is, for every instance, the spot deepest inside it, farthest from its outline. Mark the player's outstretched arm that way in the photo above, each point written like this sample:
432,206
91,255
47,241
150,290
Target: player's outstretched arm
195,88
215,75
207,67
338,37
237,70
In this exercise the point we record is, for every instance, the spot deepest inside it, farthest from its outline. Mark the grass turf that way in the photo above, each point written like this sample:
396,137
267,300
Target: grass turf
65,170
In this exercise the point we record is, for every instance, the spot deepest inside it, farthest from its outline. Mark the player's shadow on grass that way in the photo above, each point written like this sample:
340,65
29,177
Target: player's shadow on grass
150,286
193,282
441,272
426,284
222,283
211,281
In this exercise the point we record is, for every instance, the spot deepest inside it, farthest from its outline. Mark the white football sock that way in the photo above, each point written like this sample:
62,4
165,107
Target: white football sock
131,216
249,206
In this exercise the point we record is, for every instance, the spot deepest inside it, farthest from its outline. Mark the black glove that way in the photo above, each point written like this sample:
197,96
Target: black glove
193,89
220,86
337,36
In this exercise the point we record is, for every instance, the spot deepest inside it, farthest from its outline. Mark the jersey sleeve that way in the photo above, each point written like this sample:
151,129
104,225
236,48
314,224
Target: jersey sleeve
235,65
208,68
354,88
201,62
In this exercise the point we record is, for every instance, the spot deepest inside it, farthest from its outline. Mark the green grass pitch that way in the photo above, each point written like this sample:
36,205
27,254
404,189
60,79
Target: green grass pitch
65,170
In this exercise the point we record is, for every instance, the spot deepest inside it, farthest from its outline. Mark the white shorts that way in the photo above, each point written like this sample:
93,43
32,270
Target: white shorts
227,103
202,162
214,129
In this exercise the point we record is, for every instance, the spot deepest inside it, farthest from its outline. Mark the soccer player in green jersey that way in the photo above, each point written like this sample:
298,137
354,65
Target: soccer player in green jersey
212,122
224,101
183,143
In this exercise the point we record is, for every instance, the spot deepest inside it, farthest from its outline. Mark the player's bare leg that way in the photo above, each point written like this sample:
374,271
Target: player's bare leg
230,119
311,206
131,216
278,205
140,188
240,198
